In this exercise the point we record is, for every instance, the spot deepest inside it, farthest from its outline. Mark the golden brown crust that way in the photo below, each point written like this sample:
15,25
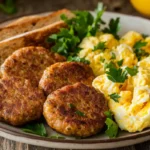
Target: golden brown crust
64,119
65,73
30,23
19,101
29,63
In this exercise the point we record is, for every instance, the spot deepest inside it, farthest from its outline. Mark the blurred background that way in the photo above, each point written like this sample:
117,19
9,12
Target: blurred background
10,9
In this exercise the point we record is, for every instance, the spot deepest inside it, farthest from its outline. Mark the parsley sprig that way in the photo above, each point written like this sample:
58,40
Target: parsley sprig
78,59
115,97
8,7
115,74
114,27
100,46
139,51
83,24
132,71
35,128
112,127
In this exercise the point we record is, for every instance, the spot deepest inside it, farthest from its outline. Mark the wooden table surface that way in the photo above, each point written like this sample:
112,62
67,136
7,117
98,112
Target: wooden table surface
26,7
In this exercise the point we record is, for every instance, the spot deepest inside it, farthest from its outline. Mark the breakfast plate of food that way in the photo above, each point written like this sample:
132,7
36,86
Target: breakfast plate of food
75,79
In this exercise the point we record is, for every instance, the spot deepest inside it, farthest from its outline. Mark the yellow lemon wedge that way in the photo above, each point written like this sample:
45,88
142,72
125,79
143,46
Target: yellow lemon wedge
143,6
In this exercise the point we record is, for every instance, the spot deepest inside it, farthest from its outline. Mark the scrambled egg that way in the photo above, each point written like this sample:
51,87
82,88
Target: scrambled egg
132,111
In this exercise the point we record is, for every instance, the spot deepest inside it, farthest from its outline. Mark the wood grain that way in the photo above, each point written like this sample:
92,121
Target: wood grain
26,7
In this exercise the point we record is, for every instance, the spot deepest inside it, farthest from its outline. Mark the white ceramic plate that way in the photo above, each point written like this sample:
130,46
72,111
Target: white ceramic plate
99,141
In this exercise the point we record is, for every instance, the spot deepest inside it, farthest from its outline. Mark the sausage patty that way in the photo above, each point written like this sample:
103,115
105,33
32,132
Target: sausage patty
29,63
65,73
76,110
19,101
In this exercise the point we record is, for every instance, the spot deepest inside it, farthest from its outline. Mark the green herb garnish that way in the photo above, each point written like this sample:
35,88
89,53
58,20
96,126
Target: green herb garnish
8,7
145,35
112,128
78,59
79,113
83,24
114,97
71,106
115,74
108,114
113,56
35,128
132,71
114,27
100,46
102,60
120,62
138,51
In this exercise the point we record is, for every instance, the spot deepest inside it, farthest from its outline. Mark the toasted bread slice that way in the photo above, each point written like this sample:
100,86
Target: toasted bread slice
30,23
33,38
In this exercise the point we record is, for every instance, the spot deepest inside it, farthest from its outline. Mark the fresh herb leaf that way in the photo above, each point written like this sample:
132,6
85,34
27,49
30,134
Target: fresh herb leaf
108,114
114,27
102,60
92,29
138,51
35,128
145,35
139,44
113,56
8,7
65,42
112,128
79,113
56,137
120,62
115,97
100,46
109,65
78,59
71,106
132,71
115,74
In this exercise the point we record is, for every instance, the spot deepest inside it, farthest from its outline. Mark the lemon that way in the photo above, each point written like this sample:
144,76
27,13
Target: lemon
143,6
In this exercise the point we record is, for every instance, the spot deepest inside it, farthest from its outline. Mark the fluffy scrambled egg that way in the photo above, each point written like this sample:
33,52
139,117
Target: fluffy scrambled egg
132,111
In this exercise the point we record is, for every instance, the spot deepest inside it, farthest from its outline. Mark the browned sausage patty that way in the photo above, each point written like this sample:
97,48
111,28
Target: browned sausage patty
29,63
19,101
65,73
76,110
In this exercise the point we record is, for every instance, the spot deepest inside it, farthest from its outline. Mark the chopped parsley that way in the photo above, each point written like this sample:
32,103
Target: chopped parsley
114,97
138,51
145,35
79,113
132,71
100,46
8,7
113,56
78,59
115,74
114,27
112,127
102,60
83,24
120,62
71,106
35,128
108,114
